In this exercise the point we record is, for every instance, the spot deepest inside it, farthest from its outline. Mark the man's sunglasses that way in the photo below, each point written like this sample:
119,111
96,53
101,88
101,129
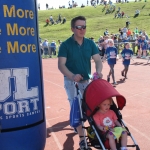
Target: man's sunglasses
80,27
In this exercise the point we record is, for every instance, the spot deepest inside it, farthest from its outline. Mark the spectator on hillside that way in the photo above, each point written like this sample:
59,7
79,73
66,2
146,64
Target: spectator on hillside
59,18
51,19
127,23
122,14
63,21
136,30
119,15
106,32
124,35
120,31
137,12
140,32
118,11
47,22
129,32
124,30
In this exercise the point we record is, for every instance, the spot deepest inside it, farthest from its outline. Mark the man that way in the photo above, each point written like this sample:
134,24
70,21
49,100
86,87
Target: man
45,47
74,62
53,47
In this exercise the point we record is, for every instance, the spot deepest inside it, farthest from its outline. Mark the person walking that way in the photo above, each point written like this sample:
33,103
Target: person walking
74,62
111,54
126,54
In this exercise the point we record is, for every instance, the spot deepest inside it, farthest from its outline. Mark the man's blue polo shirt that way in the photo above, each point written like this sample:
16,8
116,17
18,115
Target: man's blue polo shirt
78,56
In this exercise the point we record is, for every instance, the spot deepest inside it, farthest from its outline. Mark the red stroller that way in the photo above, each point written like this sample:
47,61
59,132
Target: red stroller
95,93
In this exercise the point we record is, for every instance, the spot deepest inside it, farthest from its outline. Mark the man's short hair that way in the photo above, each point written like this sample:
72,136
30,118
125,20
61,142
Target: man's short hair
73,21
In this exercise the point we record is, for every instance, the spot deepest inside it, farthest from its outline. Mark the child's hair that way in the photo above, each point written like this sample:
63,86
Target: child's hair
111,40
126,43
110,99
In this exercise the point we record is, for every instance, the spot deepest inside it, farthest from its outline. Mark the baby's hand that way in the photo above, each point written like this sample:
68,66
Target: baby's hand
111,129
106,128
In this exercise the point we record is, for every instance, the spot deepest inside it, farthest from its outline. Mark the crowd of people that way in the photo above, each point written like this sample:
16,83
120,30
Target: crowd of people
137,38
53,22
48,49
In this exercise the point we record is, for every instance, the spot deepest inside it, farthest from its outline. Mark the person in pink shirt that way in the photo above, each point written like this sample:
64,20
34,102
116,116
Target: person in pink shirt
105,120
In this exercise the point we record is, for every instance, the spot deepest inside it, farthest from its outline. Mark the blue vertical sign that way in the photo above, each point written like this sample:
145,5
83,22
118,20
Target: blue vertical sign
22,117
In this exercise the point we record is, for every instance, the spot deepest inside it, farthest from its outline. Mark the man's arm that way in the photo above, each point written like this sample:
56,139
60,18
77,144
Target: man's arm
98,64
64,70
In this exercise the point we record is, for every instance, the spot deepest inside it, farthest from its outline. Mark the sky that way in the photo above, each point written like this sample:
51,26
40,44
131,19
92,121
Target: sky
56,3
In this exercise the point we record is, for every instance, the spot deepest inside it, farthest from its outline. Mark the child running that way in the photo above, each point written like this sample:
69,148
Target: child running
127,54
105,120
111,53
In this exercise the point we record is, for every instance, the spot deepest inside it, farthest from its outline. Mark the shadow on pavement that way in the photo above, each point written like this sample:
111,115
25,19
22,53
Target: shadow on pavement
137,63
69,143
121,81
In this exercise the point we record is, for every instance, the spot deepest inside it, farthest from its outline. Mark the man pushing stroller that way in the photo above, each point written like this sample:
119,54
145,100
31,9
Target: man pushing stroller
74,62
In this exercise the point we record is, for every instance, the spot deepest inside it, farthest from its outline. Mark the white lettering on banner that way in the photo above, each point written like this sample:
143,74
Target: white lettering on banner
9,108
25,99
34,101
23,105
5,84
22,91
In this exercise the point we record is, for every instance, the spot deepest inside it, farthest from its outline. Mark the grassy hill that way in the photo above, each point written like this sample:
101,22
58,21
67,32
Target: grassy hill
97,21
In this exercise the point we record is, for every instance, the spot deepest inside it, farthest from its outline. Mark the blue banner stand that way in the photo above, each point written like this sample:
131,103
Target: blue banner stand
22,113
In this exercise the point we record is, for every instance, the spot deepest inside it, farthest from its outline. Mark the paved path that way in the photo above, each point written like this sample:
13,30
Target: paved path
136,114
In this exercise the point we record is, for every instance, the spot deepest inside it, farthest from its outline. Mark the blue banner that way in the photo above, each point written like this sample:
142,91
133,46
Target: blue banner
21,91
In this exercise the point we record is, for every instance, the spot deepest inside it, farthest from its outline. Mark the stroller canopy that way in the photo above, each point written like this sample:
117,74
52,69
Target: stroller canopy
98,91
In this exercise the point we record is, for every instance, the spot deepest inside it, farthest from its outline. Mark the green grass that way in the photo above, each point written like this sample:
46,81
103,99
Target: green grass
97,21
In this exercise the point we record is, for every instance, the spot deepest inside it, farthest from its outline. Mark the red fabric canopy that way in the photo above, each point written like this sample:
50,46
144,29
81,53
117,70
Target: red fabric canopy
98,91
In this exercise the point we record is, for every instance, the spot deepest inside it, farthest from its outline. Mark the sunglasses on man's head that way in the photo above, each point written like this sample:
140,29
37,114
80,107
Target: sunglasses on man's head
80,27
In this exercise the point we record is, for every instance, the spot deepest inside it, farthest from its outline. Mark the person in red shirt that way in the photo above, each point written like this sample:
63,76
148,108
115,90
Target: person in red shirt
105,120
129,32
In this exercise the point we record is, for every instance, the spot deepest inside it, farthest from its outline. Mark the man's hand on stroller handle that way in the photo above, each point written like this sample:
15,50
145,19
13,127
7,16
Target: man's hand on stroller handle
77,77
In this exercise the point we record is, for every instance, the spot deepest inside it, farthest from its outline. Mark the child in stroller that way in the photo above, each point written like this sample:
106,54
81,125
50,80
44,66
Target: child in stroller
106,120
94,95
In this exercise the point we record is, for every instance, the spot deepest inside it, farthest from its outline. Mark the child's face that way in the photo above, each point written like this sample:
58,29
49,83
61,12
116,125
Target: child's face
127,46
110,43
105,105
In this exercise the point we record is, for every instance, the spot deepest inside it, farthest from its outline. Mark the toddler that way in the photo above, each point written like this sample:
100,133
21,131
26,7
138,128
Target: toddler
105,120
